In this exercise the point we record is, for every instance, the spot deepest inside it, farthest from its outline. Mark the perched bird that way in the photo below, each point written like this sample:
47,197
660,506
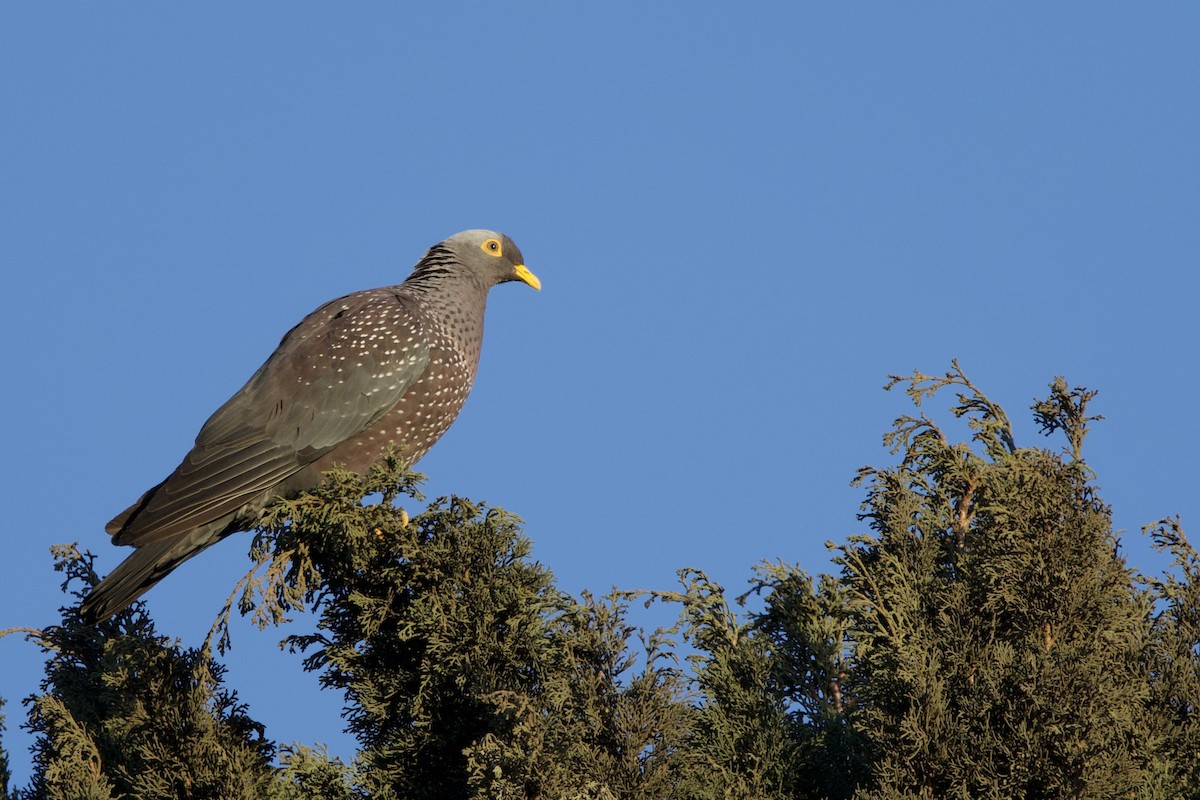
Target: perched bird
370,370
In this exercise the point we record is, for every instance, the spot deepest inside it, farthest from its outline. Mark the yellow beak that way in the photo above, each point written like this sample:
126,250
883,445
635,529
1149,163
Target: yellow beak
528,277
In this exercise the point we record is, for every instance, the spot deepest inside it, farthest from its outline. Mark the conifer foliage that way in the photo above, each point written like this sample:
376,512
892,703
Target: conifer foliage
984,638
466,673
5,773
997,630
126,713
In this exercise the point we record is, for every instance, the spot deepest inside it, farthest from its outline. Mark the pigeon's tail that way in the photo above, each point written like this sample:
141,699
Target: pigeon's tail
146,566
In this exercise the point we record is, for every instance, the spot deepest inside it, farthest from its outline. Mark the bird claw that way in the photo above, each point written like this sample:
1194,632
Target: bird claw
404,520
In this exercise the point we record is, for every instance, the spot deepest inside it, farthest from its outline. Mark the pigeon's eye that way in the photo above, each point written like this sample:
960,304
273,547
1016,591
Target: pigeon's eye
491,247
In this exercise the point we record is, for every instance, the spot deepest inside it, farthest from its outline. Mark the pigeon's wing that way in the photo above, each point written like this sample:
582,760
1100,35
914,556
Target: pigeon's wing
332,376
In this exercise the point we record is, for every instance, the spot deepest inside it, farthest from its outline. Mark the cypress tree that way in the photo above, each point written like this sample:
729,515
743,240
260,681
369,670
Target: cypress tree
984,639
5,774
466,672
998,633
126,713
742,741
1173,655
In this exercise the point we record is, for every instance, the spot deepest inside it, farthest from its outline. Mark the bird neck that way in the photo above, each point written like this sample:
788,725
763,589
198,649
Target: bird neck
447,290
455,299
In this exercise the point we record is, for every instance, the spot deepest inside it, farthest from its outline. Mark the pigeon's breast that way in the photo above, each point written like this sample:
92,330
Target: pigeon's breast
420,417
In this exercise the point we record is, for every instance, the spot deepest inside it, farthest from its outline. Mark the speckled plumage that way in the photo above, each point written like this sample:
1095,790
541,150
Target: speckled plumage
368,371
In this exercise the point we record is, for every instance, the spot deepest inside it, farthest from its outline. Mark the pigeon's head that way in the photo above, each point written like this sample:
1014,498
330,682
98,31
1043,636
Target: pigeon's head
488,255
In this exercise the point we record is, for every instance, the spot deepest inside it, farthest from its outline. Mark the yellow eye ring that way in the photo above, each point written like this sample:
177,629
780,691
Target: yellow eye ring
492,247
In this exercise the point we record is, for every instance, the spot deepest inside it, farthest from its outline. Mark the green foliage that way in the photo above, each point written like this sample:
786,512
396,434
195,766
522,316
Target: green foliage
465,672
125,713
5,775
605,728
806,628
424,623
997,632
742,742
1173,653
310,774
984,639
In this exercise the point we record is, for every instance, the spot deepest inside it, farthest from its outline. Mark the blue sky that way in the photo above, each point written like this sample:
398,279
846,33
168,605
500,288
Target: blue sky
744,218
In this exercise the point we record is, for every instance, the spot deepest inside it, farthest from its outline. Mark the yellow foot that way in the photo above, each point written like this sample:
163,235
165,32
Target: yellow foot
404,520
